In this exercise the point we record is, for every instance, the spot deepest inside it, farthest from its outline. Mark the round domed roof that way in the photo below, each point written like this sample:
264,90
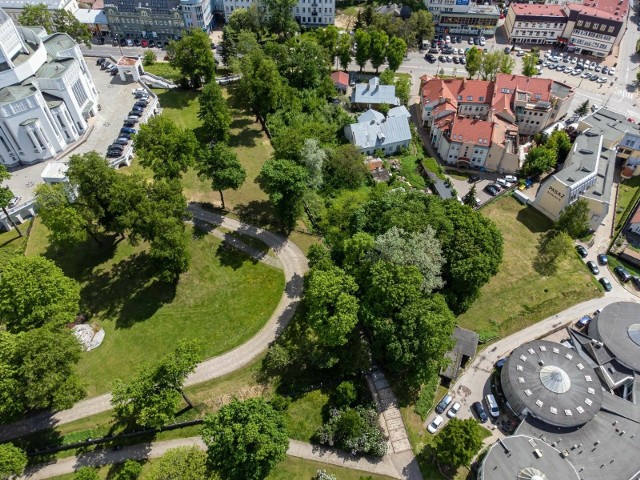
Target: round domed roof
531,473
634,333
555,379
617,327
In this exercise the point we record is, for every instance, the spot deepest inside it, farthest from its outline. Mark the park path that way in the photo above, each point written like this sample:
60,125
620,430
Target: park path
294,265
143,451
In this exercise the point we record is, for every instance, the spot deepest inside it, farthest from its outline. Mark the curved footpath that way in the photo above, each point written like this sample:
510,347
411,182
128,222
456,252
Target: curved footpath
294,265
384,466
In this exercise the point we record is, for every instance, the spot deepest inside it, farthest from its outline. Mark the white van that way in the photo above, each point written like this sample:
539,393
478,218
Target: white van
492,406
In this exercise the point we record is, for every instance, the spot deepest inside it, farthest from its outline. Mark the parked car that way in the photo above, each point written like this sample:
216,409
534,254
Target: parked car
114,72
121,141
474,178
622,274
612,70
152,44
129,42
433,426
602,259
134,115
113,154
453,411
502,182
141,103
606,284
491,190
136,42
132,131
636,281
500,362
13,202
581,251
100,61
492,405
463,60
144,43
444,403
480,412
593,267
511,178
431,58
456,60
507,50
605,69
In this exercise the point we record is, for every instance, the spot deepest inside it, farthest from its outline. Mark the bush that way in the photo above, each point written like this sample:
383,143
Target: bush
149,58
280,403
323,475
86,473
355,430
346,394
131,470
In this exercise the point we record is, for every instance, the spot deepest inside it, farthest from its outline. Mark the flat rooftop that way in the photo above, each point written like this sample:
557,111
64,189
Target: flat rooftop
618,327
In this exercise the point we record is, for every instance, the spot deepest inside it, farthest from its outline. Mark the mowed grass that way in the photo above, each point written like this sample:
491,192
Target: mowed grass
222,301
519,296
304,414
627,193
11,244
163,69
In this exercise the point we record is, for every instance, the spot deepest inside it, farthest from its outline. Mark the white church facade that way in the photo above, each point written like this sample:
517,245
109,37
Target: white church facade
46,94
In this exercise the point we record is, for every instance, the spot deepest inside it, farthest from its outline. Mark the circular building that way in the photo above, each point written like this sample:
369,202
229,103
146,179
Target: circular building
618,327
551,383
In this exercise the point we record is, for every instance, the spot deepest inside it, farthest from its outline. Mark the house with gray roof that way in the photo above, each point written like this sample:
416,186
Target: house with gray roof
374,132
372,94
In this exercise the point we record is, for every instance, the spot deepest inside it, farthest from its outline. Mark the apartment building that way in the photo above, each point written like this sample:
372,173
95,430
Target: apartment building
197,14
306,12
462,17
535,23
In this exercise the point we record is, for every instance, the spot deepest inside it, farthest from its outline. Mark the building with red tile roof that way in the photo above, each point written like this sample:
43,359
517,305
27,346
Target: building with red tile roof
340,80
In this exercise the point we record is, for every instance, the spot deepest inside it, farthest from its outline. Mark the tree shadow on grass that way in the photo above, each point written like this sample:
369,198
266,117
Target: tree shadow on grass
247,137
177,98
229,256
129,292
258,212
79,261
533,220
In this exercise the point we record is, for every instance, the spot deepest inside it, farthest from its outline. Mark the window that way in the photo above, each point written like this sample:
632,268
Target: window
603,27
579,23
481,99
505,90
611,29
459,97
587,24
470,98
595,26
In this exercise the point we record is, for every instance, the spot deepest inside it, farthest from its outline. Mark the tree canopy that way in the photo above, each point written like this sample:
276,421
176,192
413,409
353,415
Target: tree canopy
574,220
539,160
59,20
245,439
396,51
458,442
192,55
285,183
33,292
6,195
474,62
184,463
529,63
12,461
280,19
214,113
221,166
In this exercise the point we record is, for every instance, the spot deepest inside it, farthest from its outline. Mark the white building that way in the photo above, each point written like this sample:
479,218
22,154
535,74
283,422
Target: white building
307,12
46,94
535,23
374,132
197,14
13,8
463,17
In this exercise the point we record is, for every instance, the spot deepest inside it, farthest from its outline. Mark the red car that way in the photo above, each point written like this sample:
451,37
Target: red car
145,43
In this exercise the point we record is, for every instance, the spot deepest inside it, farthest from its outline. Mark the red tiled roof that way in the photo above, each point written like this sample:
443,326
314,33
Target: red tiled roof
540,86
443,107
607,9
538,10
476,89
340,77
468,130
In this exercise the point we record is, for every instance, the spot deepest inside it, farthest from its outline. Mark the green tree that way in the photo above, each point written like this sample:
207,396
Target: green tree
12,460
246,20
332,307
403,90
184,463
538,161
86,473
458,442
343,51
473,57
169,250
192,55
421,23
221,166
303,62
328,39
245,439
354,429
37,15
344,168
494,62
65,224
6,195
57,21
313,157
470,197
34,291
214,113
165,148
131,470
261,85
285,183
507,63
280,17
529,62
149,58
378,49
151,397
574,220
583,108
396,51
560,142
346,394
362,41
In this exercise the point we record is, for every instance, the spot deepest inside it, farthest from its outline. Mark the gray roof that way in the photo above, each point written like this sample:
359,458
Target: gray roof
58,42
400,111
583,159
14,93
513,457
552,383
560,90
55,69
466,346
631,140
371,115
374,93
375,134
602,451
618,327
610,124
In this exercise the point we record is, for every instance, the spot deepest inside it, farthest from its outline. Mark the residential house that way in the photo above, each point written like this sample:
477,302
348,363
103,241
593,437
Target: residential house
154,20
373,132
340,81
372,94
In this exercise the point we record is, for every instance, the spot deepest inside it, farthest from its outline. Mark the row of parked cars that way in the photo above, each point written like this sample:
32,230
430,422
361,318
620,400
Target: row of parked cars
107,65
134,42
478,408
116,149
500,184
555,61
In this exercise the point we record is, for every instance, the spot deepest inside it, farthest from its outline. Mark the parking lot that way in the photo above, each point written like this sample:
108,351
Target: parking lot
115,102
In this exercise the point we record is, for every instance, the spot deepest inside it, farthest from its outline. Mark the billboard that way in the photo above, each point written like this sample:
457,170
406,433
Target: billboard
462,2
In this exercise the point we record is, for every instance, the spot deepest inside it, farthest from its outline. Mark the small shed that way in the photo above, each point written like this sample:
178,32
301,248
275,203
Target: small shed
464,350
340,81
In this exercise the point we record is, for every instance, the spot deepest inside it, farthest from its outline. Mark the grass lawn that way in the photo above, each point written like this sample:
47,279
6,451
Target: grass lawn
304,414
223,300
409,169
163,69
432,165
518,295
11,244
628,193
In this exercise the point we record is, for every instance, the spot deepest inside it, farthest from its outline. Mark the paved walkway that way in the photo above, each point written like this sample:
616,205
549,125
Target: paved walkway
384,466
293,263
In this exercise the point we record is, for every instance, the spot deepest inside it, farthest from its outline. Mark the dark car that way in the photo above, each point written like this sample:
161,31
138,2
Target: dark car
444,403
602,259
128,130
480,412
501,362
507,50
136,42
463,60
581,251
491,190
123,43
141,104
442,59
152,44
476,41
104,65
431,58
433,50
137,108
115,42
622,274
113,154
115,146
114,72
606,284
135,113
128,124
593,267
125,135
636,281
121,141
456,60
474,178
100,61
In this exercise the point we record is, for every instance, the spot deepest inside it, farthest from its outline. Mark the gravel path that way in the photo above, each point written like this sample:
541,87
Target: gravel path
294,265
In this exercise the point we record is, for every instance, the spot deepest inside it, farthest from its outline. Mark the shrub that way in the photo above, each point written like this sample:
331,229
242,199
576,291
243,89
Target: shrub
323,475
280,403
346,394
354,429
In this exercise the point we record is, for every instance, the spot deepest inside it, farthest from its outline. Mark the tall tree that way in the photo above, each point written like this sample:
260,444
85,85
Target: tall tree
403,89
529,62
57,21
473,57
378,49
285,183
421,22
214,113
458,442
396,51
247,19
507,63
560,142
6,195
539,160
37,15
583,108
165,148
34,291
332,307
470,197
151,397
362,42
343,51
328,38
220,165
184,463
12,461
261,84
490,65
574,220
280,16
312,157
245,439
192,55
344,168
86,473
